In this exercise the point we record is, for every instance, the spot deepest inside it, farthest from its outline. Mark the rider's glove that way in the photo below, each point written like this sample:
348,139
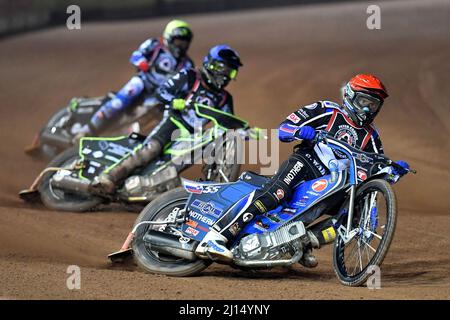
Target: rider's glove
255,133
403,170
179,104
143,66
306,133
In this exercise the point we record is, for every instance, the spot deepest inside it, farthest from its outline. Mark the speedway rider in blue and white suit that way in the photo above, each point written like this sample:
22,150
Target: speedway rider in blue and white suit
352,122
157,60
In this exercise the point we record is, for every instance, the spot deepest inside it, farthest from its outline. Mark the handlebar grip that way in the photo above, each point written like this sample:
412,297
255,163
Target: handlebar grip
395,165
320,136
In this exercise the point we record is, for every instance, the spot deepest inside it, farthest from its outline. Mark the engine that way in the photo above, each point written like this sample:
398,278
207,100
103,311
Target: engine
272,245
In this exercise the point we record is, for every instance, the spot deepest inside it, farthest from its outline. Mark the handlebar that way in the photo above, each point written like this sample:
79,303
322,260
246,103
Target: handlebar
409,170
254,133
322,136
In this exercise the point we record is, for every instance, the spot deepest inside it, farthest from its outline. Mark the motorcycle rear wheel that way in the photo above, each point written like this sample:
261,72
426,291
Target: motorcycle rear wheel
61,200
152,261
376,230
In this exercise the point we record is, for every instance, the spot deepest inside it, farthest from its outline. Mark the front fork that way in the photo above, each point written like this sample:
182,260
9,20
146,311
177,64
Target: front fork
350,209
346,233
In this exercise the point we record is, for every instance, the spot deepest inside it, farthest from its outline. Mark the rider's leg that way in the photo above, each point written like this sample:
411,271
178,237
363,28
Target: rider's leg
112,108
106,182
294,170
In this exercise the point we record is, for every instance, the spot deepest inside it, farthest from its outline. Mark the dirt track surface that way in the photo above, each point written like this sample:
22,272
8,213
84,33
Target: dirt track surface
292,56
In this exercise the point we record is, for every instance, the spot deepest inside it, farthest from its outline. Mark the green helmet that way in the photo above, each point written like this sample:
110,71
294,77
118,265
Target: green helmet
177,37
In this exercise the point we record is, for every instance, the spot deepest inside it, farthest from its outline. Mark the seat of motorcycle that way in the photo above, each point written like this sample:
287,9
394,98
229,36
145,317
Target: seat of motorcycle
253,178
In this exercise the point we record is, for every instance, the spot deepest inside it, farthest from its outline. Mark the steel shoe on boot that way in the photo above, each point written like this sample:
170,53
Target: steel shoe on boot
102,185
213,246
308,260
106,183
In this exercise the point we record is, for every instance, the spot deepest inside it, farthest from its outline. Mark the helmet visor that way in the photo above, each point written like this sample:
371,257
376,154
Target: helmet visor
221,69
367,103
181,43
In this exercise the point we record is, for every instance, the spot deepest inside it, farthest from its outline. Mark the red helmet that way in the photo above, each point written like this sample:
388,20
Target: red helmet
364,95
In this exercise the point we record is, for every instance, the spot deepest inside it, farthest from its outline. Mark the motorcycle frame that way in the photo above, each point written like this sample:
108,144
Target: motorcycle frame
345,232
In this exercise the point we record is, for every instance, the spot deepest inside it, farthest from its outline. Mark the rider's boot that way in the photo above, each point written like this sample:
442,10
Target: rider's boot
106,182
308,259
213,246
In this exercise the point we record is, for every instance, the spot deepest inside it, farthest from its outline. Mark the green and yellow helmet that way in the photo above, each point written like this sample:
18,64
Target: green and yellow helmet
177,37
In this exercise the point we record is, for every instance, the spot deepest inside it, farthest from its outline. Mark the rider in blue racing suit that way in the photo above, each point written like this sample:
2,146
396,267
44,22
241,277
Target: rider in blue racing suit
351,122
157,60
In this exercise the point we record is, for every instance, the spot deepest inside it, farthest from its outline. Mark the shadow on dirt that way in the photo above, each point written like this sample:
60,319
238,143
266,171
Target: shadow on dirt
269,274
418,272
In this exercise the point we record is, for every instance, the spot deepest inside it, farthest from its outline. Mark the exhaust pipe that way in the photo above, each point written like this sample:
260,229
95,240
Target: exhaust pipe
55,140
269,264
71,184
171,244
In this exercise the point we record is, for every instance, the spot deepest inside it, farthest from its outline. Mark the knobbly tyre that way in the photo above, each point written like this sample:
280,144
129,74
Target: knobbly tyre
356,195
64,184
67,125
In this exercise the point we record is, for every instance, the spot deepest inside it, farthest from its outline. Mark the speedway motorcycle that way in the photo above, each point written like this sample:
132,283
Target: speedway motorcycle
356,195
64,184
66,126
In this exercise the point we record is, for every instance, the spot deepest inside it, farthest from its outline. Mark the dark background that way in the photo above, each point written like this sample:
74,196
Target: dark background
24,15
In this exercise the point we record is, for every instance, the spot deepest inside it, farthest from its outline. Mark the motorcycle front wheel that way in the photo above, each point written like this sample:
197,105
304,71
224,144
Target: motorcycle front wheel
375,217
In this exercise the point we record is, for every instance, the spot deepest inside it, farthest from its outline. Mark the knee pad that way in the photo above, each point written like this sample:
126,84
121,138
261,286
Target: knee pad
133,88
126,95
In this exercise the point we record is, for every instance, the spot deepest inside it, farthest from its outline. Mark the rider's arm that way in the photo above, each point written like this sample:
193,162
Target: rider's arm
228,105
374,145
177,87
315,115
393,173
144,52
188,64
